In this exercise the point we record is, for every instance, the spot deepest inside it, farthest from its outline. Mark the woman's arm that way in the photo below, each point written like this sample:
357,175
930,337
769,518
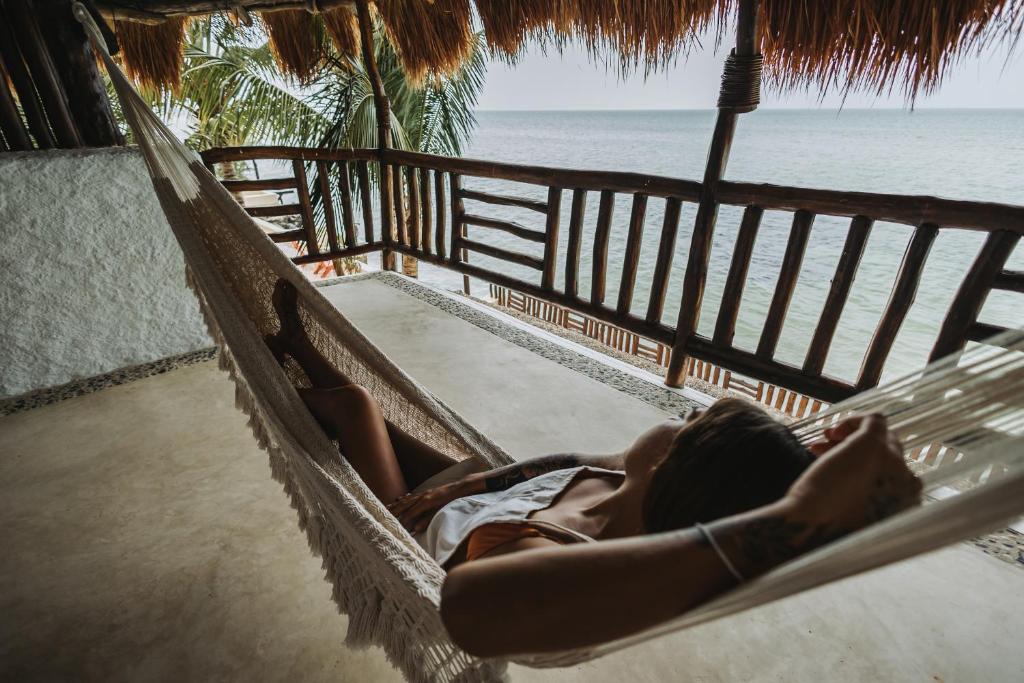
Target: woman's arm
564,597
416,510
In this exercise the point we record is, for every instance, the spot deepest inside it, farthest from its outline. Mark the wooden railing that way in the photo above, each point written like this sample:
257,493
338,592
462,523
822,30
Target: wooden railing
422,210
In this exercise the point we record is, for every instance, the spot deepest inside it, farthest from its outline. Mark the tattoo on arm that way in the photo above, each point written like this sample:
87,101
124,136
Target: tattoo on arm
762,544
507,477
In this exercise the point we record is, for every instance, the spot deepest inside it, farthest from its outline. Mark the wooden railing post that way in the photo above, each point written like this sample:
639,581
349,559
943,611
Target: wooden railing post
739,94
382,108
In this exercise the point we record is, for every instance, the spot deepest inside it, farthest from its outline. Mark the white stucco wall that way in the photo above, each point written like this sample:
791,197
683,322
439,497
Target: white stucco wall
91,278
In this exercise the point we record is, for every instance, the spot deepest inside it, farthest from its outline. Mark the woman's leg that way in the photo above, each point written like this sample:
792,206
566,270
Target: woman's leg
358,431
350,415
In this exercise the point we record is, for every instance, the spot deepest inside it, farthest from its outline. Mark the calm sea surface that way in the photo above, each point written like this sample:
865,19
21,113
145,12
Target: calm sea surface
963,154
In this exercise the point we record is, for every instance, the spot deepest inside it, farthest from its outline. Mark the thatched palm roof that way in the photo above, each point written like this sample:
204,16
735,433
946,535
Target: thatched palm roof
840,44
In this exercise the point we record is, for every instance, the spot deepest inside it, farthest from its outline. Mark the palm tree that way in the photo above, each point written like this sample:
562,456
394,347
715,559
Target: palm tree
232,93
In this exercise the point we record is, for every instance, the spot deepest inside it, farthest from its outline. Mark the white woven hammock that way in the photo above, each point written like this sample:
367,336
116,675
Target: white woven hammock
388,585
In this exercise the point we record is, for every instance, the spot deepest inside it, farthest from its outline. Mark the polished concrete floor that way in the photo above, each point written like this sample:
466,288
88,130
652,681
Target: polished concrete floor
142,539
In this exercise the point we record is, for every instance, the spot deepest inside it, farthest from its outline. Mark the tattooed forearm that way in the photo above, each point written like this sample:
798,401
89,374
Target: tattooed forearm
507,477
758,545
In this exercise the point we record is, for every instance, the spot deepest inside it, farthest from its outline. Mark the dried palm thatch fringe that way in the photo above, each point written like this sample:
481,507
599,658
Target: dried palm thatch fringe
297,41
343,28
429,37
153,53
878,45
647,33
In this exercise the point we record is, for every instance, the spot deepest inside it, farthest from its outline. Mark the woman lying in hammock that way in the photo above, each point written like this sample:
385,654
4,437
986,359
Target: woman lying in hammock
524,572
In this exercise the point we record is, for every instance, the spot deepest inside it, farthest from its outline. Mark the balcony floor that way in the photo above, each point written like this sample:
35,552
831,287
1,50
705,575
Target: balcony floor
144,539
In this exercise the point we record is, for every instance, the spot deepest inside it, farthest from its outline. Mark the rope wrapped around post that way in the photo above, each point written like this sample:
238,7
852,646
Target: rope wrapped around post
741,83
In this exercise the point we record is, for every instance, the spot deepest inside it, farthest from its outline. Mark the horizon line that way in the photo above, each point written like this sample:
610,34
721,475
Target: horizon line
909,110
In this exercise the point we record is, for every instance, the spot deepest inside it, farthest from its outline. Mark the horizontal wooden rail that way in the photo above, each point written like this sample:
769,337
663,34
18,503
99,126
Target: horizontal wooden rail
222,154
1010,280
908,209
532,204
510,227
276,210
262,184
343,253
288,236
503,254
616,181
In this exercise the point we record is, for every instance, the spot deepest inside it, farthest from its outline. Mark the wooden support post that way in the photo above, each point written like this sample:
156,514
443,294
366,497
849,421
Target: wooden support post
459,227
75,63
707,209
382,108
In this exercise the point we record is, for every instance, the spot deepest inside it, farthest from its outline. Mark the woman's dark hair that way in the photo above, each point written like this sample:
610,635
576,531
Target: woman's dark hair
733,458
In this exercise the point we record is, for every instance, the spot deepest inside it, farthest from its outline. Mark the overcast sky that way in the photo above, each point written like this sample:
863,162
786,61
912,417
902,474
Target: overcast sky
571,81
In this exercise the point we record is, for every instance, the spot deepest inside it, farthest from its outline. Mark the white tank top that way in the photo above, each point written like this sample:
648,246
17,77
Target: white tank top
456,521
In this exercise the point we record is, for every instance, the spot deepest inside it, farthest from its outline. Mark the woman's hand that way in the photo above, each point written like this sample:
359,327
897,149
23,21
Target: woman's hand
415,510
859,477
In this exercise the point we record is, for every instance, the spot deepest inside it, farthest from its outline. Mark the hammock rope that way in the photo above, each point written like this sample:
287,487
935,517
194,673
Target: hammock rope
387,584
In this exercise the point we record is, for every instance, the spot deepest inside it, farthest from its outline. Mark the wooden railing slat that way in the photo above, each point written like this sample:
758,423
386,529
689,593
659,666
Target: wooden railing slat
505,200
458,212
287,236
799,233
970,297
554,210
979,331
572,252
305,207
412,182
663,265
1010,280
426,212
510,227
728,312
345,192
439,203
901,298
503,254
330,221
398,200
601,235
839,292
631,260
366,204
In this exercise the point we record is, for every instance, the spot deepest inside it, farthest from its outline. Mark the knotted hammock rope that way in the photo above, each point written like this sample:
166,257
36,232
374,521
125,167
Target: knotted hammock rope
386,583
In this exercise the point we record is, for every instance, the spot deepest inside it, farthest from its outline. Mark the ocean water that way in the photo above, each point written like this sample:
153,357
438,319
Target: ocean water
962,154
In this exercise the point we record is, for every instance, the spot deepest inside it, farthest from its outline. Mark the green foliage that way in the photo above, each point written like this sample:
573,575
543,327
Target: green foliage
232,93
